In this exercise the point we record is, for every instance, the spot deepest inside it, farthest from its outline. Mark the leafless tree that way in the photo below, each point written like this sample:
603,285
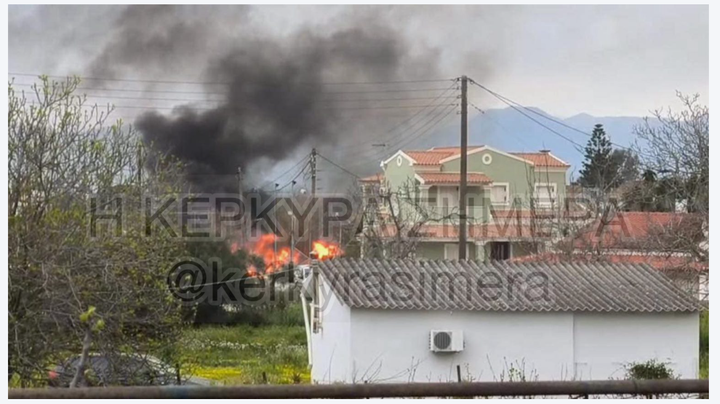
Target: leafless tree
676,147
395,219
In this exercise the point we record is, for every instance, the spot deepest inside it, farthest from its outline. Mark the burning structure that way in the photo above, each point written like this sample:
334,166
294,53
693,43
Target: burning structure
275,257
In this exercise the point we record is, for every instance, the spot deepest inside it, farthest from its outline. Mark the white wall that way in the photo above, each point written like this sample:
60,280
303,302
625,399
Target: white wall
331,344
393,345
357,345
605,343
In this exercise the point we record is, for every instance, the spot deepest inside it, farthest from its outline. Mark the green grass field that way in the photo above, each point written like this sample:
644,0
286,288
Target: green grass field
231,355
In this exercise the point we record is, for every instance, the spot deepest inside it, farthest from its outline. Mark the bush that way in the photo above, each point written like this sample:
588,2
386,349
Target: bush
705,344
650,370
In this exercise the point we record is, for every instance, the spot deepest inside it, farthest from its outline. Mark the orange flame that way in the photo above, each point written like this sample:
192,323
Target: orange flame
326,250
264,248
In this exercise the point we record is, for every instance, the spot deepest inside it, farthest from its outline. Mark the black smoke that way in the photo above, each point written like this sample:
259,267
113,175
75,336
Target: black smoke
278,93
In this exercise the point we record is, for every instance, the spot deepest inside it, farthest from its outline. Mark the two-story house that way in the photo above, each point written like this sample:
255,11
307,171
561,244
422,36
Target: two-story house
501,185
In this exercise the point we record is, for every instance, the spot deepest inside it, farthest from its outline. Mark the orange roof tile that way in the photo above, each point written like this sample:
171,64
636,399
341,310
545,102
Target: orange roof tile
542,159
453,178
631,229
475,231
480,231
378,177
657,261
433,156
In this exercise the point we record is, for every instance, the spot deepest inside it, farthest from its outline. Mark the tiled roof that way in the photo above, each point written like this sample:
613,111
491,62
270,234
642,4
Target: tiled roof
379,177
454,149
635,229
453,178
661,262
538,213
427,158
481,231
433,156
469,285
542,159
475,231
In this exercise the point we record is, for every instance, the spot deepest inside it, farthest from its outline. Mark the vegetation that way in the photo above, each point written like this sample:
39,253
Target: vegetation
705,345
78,283
242,354
651,369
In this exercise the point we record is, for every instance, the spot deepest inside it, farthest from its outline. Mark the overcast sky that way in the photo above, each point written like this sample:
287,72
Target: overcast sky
602,60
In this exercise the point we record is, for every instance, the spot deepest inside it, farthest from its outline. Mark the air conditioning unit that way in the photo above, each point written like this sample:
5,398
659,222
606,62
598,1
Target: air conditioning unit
446,341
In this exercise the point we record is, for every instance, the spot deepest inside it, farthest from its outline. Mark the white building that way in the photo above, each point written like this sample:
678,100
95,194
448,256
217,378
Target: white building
400,320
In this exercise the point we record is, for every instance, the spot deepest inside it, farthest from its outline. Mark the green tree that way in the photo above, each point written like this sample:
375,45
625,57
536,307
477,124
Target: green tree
71,290
599,168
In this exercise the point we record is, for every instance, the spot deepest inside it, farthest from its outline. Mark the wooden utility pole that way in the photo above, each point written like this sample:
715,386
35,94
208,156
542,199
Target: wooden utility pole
243,227
313,189
462,248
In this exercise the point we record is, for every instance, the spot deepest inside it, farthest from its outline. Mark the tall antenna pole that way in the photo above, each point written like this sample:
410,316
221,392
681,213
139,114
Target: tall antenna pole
462,250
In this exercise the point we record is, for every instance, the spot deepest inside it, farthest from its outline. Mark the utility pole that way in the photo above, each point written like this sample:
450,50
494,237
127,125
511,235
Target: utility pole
276,223
462,250
140,163
313,189
242,202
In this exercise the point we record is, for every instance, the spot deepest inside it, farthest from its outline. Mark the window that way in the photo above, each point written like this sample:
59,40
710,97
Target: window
545,194
499,194
452,251
499,251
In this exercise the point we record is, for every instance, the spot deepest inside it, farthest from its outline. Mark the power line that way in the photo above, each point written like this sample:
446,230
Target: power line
284,173
295,177
225,92
218,83
151,108
417,134
375,138
508,102
402,135
498,124
338,166
119,97
447,112
577,145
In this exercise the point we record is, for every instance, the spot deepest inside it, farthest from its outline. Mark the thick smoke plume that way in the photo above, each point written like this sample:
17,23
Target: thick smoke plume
278,93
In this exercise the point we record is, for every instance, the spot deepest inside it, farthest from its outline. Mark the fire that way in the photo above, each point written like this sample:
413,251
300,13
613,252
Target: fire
326,250
264,248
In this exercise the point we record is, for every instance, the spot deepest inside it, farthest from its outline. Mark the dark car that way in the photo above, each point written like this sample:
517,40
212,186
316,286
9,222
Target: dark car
115,370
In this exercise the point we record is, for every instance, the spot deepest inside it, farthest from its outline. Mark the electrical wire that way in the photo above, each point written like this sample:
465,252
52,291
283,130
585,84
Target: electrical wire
578,146
294,178
513,105
199,108
416,134
375,138
339,166
128,80
307,156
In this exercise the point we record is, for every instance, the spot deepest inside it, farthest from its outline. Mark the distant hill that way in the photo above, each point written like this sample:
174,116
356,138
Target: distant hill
507,129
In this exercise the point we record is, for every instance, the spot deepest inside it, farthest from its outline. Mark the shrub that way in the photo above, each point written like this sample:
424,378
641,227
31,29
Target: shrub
651,370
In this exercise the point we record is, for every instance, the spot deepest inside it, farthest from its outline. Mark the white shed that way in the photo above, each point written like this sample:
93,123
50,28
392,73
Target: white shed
421,321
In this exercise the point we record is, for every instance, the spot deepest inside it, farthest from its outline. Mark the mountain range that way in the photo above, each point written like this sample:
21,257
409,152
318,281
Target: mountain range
508,130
